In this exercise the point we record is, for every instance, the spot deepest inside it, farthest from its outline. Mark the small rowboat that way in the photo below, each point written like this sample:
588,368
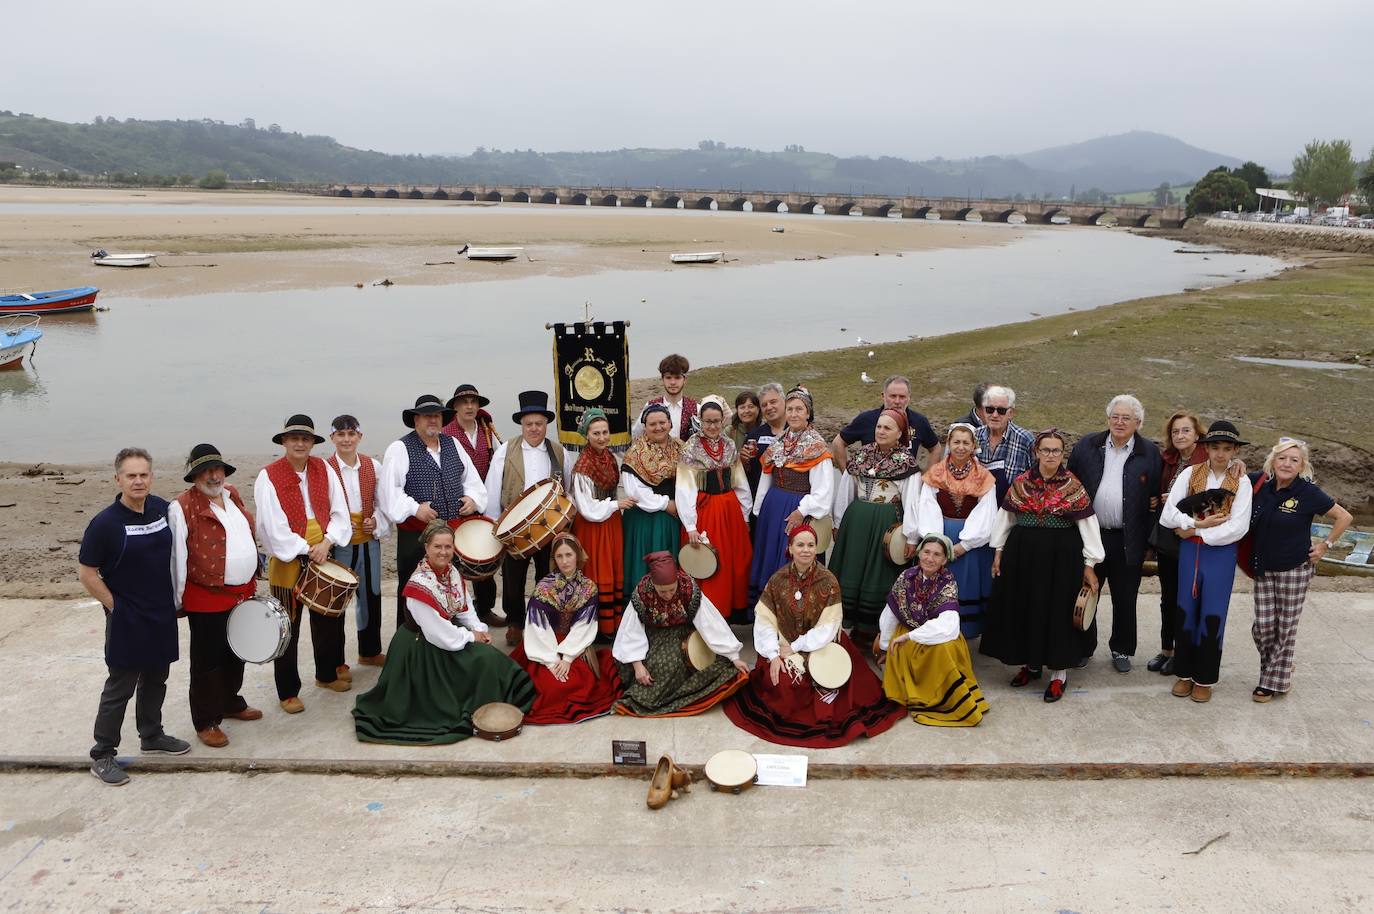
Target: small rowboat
19,334
102,259
1360,544
697,257
62,301
491,253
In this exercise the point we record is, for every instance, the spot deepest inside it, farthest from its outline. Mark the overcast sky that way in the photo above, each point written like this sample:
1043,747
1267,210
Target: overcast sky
911,78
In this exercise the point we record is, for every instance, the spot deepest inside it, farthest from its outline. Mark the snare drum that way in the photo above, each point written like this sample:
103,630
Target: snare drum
497,720
541,512
258,630
476,549
894,545
731,769
327,588
697,652
830,666
701,561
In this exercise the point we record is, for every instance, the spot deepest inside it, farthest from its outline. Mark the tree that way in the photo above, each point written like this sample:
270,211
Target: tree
1366,184
1325,172
1217,190
1164,194
1253,174
215,179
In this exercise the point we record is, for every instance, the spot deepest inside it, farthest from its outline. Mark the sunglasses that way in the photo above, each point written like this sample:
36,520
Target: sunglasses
999,410
1286,441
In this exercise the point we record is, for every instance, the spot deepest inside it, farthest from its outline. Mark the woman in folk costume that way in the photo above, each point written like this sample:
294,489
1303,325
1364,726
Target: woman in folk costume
959,500
440,666
799,612
666,606
1047,542
1206,560
574,680
713,504
928,668
595,477
649,474
880,486
798,483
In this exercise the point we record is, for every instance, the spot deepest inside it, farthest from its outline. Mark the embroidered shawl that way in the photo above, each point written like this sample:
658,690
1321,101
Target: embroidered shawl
598,465
446,594
560,602
818,588
797,450
976,481
916,599
696,456
651,462
1063,495
657,612
872,463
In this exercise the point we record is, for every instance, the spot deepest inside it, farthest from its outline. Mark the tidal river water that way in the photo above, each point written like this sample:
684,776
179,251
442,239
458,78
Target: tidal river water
228,368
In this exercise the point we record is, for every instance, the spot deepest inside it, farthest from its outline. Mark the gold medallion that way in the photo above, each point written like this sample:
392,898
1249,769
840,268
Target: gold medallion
589,382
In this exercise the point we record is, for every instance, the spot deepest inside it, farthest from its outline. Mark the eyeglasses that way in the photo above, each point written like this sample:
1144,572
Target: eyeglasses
1121,418
1052,452
999,410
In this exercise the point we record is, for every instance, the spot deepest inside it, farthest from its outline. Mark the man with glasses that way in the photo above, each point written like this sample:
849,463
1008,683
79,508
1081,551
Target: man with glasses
1120,468
1004,447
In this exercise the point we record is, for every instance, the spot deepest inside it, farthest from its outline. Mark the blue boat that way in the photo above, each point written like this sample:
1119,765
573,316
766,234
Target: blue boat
61,301
19,334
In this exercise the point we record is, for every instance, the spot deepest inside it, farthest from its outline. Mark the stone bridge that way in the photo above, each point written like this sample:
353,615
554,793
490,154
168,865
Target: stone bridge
903,207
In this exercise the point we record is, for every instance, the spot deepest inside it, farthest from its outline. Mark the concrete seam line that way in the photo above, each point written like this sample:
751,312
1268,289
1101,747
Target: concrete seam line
1005,771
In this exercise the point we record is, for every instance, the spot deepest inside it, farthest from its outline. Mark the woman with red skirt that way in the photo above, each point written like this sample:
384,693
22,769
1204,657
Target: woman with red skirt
595,477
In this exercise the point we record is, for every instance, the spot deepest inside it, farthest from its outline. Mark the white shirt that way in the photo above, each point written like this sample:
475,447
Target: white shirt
1109,502
392,498
542,647
240,551
821,499
909,490
352,486
537,469
1232,530
437,630
766,637
685,493
944,627
589,507
977,528
275,533
632,644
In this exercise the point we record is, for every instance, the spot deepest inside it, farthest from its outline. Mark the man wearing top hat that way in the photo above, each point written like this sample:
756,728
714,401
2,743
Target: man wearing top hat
214,566
360,476
516,466
302,516
475,433
425,475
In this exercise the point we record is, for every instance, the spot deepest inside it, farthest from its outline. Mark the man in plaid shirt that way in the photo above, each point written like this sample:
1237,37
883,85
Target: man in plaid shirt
1003,446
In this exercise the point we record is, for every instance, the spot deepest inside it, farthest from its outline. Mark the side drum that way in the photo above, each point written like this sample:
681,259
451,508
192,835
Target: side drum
258,630
327,588
541,512
476,548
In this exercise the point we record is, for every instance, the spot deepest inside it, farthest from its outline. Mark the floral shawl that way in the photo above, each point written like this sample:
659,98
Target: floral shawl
651,462
599,466
798,450
871,463
560,602
695,455
796,616
972,480
656,612
916,599
1060,496
446,594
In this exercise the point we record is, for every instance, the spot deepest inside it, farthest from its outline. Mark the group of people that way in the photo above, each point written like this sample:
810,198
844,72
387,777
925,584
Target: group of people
993,534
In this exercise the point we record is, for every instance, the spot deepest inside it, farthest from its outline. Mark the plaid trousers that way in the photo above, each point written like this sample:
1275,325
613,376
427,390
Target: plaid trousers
1279,597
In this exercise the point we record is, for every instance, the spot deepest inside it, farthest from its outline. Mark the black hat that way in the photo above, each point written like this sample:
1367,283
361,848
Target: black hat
467,390
532,401
425,405
1222,432
204,456
299,424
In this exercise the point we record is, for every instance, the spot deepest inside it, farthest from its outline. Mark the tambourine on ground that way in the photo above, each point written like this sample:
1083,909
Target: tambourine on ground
541,512
497,721
326,587
731,770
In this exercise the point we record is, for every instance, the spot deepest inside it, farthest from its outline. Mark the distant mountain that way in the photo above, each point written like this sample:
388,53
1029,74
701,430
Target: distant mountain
247,152
1138,160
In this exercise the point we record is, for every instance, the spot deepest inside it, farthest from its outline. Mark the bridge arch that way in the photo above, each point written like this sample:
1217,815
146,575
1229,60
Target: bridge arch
740,205
1149,220
968,214
493,197
775,206
610,200
849,208
439,194
673,202
467,195
811,208
520,196
642,200
1099,217
1054,216
416,194
889,210
368,192
549,197
706,203
391,193
581,200
345,192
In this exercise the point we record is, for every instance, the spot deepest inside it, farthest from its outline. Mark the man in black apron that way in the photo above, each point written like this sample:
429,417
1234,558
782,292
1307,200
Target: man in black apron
126,564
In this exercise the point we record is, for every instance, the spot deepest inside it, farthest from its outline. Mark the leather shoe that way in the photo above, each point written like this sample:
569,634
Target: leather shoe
1262,695
1201,693
682,780
245,714
1024,676
661,784
1182,689
514,636
344,673
1054,691
292,705
1156,664
374,660
491,619
338,685
213,737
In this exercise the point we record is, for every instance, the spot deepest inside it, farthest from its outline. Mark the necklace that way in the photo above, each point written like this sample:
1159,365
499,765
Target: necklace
960,472
715,451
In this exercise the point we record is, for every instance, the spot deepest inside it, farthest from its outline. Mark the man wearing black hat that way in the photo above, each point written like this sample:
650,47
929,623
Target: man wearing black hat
516,466
475,433
214,563
425,475
302,515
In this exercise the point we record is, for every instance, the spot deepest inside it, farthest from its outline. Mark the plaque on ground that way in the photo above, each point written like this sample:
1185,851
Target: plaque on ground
629,752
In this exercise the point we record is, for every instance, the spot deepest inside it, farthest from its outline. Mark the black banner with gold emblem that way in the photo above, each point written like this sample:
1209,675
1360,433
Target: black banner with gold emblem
591,367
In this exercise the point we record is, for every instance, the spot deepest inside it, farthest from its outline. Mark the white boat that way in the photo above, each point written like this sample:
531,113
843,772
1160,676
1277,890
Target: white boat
491,253
697,257
19,334
105,259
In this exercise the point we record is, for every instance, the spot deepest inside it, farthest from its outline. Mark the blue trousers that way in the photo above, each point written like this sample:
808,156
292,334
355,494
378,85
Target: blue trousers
366,561
1205,576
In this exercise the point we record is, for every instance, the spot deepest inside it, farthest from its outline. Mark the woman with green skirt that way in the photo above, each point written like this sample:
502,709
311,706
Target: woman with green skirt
441,665
649,474
880,489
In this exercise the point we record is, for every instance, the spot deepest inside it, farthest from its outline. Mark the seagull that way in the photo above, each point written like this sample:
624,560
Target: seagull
1075,333
870,353
863,376
843,329
862,341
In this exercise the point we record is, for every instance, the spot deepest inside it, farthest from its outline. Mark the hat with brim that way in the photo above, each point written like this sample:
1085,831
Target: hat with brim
299,424
204,457
532,402
1222,432
467,390
424,406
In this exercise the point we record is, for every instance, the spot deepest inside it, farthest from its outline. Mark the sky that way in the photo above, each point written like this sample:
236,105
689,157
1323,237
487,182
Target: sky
909,78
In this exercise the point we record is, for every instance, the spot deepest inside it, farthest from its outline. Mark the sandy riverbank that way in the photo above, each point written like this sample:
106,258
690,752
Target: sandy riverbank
319,242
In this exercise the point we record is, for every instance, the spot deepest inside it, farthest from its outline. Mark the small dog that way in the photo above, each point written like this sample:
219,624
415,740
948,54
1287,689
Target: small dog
1204,504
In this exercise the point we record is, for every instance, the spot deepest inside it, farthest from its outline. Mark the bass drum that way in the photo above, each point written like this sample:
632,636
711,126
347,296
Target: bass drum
258,630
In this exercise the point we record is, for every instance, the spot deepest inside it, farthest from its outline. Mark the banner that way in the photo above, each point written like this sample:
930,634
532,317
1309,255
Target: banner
591,367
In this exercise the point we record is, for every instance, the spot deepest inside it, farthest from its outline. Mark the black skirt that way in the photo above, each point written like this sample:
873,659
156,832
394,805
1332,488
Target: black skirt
1030,613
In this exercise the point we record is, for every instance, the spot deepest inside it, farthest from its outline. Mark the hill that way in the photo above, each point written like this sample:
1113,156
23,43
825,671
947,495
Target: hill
247,152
